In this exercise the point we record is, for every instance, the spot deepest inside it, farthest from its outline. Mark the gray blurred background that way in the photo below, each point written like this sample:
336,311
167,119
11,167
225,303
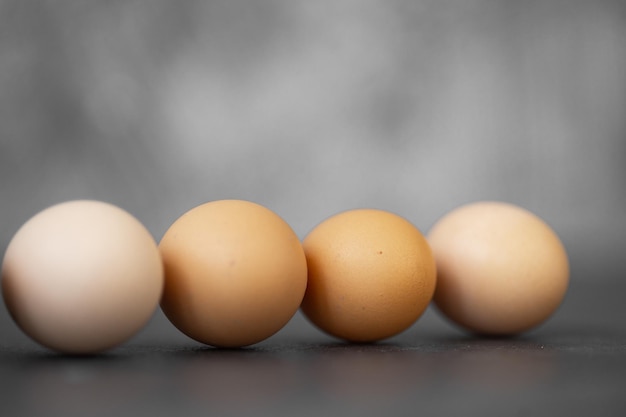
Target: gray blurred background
311,108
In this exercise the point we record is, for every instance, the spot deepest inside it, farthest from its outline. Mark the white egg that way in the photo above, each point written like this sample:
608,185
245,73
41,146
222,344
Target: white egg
82,276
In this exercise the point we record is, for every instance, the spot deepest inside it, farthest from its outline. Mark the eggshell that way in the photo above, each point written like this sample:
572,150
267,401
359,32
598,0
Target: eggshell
371,275
501,269
235,273
82,276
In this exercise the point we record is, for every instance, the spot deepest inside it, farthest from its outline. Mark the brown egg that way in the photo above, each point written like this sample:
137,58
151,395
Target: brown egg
82,276
371,275
235,273
501,269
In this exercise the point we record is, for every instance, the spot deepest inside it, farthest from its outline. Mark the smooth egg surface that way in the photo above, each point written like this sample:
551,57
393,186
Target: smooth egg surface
371,275
82,276
235,273
501,269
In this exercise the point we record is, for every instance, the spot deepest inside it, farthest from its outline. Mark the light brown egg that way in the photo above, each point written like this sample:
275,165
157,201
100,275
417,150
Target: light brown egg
82,277
371,275
235,273
501,269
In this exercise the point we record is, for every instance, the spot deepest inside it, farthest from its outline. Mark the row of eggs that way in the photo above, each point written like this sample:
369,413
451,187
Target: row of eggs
85,276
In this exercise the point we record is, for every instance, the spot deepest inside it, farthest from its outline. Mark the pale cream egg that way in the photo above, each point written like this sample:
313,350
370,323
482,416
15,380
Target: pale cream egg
82,277
501,269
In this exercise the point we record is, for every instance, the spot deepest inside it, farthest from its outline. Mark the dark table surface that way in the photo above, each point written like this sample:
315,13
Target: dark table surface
574,364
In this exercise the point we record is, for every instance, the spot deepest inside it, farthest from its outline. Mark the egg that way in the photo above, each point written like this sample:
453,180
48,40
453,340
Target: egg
235,273
82,277
501,269
371,275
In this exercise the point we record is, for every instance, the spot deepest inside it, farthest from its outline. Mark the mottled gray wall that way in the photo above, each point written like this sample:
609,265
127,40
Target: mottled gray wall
311,108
